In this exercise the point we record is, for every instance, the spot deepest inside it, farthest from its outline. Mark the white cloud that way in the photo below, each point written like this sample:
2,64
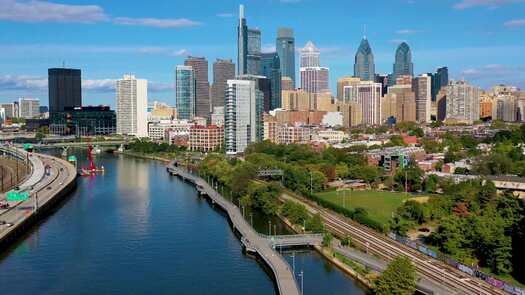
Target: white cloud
42,11
407,32
515,23
180,52
464,4
225,15
32,83
156,22
34,11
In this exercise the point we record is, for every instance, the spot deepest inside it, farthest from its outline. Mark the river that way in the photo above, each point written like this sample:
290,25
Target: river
137,230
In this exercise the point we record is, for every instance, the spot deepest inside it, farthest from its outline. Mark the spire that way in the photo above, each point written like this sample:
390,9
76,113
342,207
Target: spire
241,11
364,31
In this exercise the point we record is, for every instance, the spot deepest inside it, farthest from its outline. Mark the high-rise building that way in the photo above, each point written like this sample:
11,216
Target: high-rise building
285,46
271,68
403,64
342,82
185,92
368,95
28,108
9,110
132,104
254,52
364,66
242,43
64,89
506,108
286,84
486,104
385,80
462,101
202,85
223,70
422,87
243,115
400,103
314,78
439,81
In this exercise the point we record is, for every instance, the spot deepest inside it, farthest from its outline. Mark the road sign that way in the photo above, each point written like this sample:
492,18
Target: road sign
15,196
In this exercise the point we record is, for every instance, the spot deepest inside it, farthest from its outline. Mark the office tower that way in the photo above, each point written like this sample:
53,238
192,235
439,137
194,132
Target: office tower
403,65
486,104
342,82
285,46
441,101
64,89
314,78
185,92
28,108
202,85
287,84
385,80
253,59
223,70
364,67
400,103
422,87
368,95
462,101
506,108
271,68
243,115
242,43
10,110
132,104
439,81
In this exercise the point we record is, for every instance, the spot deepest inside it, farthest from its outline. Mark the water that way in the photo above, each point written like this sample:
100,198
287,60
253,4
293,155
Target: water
137,230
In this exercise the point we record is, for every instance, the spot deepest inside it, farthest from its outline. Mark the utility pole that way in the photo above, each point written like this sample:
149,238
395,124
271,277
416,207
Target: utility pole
293,263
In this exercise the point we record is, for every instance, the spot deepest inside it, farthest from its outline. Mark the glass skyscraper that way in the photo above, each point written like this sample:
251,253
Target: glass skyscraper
64,89
364,66
242,43
271,68
253,59
403,65
185,86
285,46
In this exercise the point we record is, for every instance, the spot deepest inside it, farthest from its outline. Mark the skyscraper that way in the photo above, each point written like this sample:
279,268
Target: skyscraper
462,101
368,95
132,104
341,83
185,92
242,115
439,81
64,89
285,45
242,43
271,68
422,87
202,85
403,65
253,59
400,103
314,78
28,108
364,66
223,70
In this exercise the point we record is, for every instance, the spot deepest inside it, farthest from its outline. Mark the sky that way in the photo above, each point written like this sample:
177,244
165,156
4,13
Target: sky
482,41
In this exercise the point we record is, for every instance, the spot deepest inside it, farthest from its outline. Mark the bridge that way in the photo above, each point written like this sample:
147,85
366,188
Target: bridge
251,240
79,144
286,241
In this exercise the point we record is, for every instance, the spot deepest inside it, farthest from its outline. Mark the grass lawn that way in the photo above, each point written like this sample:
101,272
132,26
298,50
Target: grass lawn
378,204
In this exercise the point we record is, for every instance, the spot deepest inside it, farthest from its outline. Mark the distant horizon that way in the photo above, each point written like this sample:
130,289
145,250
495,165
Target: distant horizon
481,40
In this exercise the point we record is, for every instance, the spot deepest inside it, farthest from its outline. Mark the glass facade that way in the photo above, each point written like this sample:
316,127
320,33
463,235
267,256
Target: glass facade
403,65
185,85
270,65
84,121
364,66
285,46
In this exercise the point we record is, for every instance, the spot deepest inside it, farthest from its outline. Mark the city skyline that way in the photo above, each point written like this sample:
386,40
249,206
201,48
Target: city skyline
471,47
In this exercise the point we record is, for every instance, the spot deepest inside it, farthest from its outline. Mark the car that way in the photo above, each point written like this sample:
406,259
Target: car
61,183
49,187
8,224
4,205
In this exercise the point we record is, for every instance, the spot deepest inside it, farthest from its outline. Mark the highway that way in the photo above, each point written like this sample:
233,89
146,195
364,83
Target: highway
386,248
48,186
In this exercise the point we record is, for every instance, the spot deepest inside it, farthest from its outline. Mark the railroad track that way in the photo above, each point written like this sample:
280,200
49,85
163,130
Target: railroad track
388,249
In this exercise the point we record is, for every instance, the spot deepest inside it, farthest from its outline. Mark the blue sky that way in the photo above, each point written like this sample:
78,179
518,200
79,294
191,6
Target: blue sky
479,40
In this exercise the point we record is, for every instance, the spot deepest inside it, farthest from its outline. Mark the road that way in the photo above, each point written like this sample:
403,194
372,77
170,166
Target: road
386,248
61,174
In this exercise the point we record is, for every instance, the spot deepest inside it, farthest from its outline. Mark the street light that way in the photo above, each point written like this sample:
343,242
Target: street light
302,282
293,262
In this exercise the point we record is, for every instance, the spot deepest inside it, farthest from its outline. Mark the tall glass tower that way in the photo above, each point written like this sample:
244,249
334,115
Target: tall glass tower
403,65
364,67
253,58
271,68
185,91
285,45
242,44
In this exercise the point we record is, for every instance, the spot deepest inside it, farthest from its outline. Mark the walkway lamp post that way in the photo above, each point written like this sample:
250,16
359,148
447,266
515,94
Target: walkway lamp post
293,263
302,282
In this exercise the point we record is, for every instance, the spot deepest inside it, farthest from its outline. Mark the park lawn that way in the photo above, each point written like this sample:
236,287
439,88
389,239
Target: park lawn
379,205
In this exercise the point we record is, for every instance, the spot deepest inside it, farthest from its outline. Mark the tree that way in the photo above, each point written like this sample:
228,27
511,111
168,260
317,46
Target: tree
347,241
327,239
315,224
399,278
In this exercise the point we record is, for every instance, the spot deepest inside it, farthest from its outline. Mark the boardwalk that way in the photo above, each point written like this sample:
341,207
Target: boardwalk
252,240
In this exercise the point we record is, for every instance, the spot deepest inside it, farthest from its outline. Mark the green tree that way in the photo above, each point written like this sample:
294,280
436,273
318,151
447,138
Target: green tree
315,224
347,241
327,239
399,278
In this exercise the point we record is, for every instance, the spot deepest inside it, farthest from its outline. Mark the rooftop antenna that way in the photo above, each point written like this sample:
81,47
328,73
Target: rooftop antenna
63,64
364,31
